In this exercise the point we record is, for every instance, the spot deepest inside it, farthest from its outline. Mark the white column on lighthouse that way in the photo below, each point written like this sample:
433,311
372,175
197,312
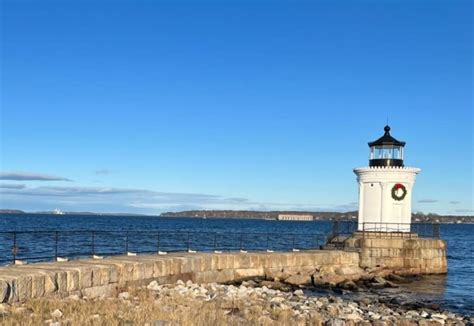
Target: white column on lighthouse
385,187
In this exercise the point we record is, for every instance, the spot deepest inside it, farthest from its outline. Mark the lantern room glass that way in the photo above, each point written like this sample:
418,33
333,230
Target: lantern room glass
386,152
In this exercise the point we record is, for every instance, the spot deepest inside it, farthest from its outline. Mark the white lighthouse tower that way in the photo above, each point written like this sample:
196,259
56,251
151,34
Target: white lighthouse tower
385,187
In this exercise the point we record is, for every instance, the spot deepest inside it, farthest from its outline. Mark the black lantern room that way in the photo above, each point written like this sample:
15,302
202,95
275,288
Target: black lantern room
386,151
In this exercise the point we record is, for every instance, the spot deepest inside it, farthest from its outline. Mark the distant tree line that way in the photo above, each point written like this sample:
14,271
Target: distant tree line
323,216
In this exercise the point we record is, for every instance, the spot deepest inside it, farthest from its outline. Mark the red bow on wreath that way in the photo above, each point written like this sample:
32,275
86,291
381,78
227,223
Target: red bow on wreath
395,194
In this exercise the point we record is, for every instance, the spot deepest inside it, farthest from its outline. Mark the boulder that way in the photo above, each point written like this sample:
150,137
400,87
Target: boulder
250,283
348,270
154,286
348,285
298,293
298,279
397,278
275,285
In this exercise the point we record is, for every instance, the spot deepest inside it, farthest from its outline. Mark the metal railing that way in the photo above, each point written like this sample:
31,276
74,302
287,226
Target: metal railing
400,230
341,228
34,246
378,229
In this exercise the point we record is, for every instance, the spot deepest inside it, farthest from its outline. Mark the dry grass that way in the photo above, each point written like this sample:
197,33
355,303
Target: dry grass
144,308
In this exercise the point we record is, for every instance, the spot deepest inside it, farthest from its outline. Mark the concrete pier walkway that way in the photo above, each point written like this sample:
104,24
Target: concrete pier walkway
96,277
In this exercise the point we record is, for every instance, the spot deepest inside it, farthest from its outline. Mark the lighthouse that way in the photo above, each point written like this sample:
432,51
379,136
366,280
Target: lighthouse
385,187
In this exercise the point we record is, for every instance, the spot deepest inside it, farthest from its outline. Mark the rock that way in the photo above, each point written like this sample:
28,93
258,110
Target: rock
278,300
319,304
439,316
374,315
124,295
74,297
57,313
189,283
348,285
154,286
348,270
424,314
353,317
333,310
335,322
179,282
298,279
250,283
56,323
425,322
275,285
299,293
327,269
379,282
397,278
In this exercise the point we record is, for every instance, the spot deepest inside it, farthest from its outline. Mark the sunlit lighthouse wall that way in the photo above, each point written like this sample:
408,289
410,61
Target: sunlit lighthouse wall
385,187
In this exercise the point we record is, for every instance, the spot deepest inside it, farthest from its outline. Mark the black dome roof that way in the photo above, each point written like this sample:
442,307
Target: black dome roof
387,139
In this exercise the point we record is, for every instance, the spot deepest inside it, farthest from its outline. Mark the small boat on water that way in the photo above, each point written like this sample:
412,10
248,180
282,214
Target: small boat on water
57,211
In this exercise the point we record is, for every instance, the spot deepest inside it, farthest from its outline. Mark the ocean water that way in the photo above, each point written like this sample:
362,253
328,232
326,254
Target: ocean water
454,291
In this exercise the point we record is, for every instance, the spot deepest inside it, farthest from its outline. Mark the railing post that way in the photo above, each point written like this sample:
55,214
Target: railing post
14,248
56,235
215,241
93,243
188,241
126,242
335,228
436,230
158,241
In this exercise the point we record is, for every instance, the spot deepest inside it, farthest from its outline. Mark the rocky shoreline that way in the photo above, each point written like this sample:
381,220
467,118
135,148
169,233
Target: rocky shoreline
304,309
257,301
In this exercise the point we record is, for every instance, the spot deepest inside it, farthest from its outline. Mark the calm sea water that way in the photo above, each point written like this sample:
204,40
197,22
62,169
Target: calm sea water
454,291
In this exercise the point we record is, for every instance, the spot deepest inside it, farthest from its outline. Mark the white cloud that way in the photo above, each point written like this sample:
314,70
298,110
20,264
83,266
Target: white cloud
143,200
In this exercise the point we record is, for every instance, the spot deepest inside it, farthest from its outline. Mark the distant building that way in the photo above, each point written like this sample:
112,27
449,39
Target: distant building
294,217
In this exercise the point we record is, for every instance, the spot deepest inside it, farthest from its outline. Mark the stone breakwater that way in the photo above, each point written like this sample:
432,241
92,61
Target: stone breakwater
93,278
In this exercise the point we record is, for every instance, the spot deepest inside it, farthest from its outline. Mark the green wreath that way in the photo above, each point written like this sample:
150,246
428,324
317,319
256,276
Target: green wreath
395,192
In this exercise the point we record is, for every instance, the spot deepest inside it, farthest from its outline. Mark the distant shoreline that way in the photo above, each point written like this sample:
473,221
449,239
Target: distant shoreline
258,215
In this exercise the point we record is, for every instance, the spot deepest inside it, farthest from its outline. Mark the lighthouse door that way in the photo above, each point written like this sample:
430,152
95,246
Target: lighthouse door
372,204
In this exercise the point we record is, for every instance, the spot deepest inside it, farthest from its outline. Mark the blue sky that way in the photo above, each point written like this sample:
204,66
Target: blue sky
148,106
